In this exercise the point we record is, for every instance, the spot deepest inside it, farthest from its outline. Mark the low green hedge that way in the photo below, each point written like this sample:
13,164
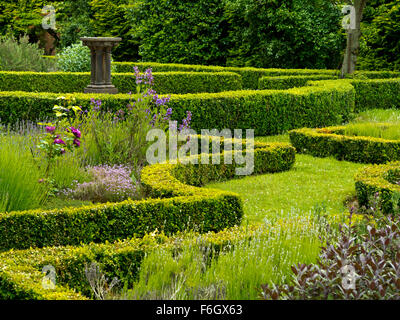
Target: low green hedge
176,207
164,82
287,82
374,75
21,276
377,94
267,112
379,183
250,76
326,142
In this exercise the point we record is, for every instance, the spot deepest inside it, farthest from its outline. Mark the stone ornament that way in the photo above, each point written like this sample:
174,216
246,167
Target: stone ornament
100,80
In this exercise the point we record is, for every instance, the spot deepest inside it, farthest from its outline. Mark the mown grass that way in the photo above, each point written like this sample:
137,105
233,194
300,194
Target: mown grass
313,182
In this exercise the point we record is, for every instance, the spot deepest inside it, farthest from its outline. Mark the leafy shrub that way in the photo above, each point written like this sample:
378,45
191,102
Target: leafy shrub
109,184
234,32
377,93
380,36
288,34
359,266
22,56
75,58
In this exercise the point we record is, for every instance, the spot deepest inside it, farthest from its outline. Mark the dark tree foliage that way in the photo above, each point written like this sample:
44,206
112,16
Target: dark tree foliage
264,33
182,31
380,42
286,34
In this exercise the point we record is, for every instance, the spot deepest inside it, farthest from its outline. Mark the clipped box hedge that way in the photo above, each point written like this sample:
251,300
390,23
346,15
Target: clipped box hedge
268,112
164,82
327,142
250,76
377,93
287,82
176,206
382,181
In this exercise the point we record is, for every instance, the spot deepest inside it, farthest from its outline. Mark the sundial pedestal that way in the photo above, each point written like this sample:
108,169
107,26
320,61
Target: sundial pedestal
100,79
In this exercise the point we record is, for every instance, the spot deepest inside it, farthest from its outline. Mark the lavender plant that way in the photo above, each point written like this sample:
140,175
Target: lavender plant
108,184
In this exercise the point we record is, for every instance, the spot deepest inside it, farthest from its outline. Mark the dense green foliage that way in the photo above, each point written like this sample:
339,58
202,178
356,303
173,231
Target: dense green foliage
75,58
377,93
284,34
250,76
239,33
164,83
380,42
20,276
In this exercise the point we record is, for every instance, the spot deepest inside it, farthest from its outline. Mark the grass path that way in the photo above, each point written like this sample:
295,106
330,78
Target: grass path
312,182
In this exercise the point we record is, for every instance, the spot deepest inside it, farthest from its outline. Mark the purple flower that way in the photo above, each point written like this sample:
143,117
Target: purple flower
76,132
59,141
77,143
62,151
50,129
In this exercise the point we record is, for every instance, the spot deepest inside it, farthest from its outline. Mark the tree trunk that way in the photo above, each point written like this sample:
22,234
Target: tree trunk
353,39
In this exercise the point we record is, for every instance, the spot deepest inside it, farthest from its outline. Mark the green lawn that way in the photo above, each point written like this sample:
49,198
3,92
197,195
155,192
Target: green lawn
312,182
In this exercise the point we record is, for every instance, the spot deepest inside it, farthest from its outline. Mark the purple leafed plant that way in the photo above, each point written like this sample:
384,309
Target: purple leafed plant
109,184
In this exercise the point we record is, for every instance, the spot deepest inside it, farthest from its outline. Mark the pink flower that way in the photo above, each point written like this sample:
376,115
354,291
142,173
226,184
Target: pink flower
77,143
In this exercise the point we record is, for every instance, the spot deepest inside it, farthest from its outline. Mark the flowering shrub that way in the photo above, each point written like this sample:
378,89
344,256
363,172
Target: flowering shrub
109,184
120,137
60,136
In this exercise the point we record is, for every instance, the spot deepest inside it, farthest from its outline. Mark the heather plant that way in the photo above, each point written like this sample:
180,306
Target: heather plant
362,265
108,184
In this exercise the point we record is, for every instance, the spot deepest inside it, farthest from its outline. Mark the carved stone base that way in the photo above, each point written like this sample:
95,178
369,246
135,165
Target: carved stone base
101,89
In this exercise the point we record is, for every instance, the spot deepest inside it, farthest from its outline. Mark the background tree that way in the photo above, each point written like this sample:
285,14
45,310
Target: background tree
353,37
380,40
